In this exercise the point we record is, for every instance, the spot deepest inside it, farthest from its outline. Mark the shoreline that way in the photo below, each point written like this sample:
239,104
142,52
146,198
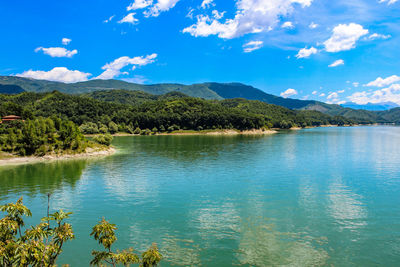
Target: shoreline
15,160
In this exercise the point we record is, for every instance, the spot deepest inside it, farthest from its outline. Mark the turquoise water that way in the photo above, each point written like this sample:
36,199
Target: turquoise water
315,197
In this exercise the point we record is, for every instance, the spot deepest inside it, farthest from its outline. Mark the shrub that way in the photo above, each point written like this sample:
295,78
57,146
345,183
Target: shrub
103,139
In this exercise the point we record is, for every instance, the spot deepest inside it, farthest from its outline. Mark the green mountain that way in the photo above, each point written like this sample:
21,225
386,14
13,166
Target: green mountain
10,89
131,93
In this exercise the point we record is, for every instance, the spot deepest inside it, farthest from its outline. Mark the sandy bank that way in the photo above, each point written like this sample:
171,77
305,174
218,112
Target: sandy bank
90,153
222,132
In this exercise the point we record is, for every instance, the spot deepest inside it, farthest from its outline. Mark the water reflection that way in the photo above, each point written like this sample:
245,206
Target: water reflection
346,206
262,245
40,178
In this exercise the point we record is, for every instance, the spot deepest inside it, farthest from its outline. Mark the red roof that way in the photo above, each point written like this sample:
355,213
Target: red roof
11,117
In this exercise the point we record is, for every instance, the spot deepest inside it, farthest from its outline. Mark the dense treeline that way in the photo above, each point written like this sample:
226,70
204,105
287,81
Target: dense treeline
146,113
43,136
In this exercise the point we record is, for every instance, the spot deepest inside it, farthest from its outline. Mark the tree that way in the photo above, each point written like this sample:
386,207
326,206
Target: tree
112,127
104,233
42,244
37,246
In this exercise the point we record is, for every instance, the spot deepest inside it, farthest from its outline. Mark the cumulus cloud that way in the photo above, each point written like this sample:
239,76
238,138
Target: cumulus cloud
356,84
252,16
314,92
113,69
322,95
337,63
58,74
390,2
251,46
160,6
306,52
333,98
380,82
57,51
139,4
207,4
375,36
313,25
389,94
130,18
218,15
66,41
288,25
344,37
289,92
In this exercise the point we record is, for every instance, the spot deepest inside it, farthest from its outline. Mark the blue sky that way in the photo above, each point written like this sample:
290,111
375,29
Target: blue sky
333,51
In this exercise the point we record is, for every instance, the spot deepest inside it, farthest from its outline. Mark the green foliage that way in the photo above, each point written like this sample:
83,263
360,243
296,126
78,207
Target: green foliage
39,245
103,139
41,136
175,111
104,233
151,257
42,244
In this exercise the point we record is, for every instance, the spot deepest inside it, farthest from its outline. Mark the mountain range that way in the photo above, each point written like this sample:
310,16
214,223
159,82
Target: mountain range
125,90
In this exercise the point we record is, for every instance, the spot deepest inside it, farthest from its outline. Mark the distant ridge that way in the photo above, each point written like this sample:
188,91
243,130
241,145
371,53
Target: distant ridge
371,106
210,90
217,91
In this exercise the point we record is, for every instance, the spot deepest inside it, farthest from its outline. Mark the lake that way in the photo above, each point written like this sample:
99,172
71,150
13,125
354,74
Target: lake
313,197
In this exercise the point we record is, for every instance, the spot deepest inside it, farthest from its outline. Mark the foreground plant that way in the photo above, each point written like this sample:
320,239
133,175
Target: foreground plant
42,244
37,246
104,233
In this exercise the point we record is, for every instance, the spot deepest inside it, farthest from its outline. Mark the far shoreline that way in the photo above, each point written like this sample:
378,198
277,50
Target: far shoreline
13,160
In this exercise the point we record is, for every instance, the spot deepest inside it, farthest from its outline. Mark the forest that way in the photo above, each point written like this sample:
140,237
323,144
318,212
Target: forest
142,113
42,136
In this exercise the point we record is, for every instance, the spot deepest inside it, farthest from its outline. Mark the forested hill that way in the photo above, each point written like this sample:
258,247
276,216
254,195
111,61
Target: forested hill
169,112
131,93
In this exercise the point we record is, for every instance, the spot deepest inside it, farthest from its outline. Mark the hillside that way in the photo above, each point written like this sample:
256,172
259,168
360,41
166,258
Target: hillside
10,89
131,93
216,91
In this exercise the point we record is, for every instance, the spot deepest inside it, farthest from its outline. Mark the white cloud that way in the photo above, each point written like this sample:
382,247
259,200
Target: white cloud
306,52
380,82
332,95
160,6
109,19
289,92
341,91
375,36
333,98
314,92
322,95
356,84
390,2
218,15
207,4
139,4
337,63
57,51
288,25
66,41
130,18
251,46
252,16
389,94
344,37
58,74
113,69
313,25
